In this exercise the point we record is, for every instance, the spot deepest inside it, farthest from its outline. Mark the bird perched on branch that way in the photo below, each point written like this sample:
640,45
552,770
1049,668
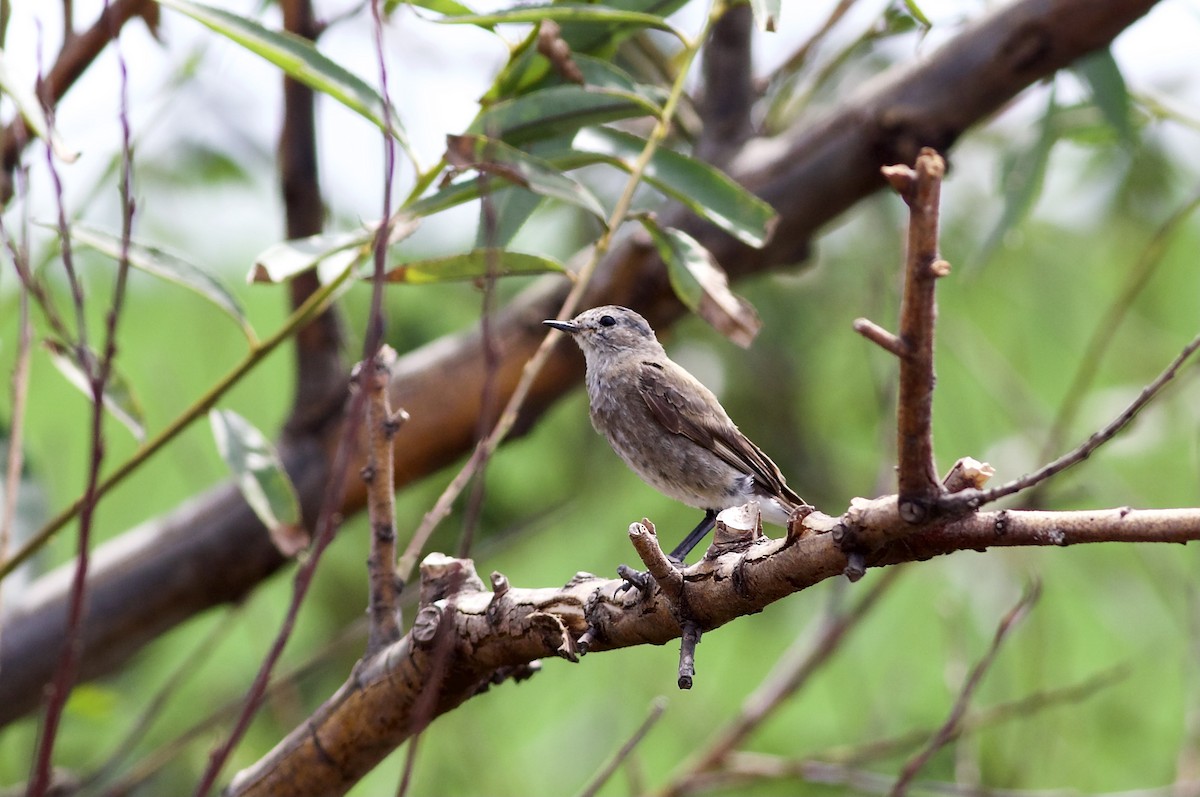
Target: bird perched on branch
668,427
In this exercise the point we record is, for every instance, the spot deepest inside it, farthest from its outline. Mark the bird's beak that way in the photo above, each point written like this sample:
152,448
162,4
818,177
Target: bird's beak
565,326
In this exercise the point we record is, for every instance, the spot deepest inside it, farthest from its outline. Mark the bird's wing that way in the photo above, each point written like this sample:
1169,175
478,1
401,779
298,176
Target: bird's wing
706,424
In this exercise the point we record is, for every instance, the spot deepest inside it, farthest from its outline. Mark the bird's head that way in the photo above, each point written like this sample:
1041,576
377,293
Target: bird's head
609,329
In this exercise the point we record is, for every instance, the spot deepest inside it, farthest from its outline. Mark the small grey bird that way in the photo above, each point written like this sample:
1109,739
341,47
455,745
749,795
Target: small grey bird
668,427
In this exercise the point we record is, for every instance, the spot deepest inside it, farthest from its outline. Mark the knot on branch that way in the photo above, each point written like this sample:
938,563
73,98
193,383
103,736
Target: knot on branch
501,600
444,577
737,529
425,627
554,635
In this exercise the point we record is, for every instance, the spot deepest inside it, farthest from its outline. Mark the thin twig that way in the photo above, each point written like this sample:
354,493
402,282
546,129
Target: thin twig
327,523
657,707
1139,276
98,375
973,499
1021,708
789,675
688,641
20,394
374,376
879,336
534,366
425,706
920,188
950,728
169,689
488,398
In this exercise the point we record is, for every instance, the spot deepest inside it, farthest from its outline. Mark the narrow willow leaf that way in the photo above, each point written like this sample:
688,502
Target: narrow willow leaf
917,13
167,266
261,478
437,6
567,12
548,112
31,111
299,59
495,157
118,398
1024,175
509,209
528,70
473,265
1100,71
602,74
284,260
766,14
701,284
703,189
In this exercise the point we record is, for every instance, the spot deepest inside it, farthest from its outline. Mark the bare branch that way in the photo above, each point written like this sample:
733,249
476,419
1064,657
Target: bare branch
320,369
977,498
383,604
951,727
374,711
921,188
879,336
657,707
790,675
729,90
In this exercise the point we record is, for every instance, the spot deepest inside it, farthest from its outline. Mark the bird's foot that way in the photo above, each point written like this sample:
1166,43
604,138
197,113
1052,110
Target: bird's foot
640,579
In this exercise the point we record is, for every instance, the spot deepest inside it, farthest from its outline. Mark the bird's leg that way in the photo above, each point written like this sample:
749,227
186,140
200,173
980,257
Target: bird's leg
693,538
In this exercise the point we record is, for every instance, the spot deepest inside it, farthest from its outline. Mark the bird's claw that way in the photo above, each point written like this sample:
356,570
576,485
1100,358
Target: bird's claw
633,578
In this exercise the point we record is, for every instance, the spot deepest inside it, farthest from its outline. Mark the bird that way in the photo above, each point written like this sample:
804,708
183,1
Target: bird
668,427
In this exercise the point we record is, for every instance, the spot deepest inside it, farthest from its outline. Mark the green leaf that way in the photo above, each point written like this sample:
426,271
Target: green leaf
766,14
30,109
528,70
602,74
261,478
497,158
706,191
1024,175
299,59
284,260
510,209
167,266
118,397
918,14
701,284
1100,71
548,112
473,265
437,6
567,13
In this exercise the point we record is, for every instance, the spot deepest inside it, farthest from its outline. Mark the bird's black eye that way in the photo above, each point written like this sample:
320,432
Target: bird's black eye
607,321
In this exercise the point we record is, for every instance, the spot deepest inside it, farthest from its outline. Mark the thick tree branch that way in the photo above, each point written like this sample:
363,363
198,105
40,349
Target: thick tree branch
810,175
320,368
372,713
729,91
